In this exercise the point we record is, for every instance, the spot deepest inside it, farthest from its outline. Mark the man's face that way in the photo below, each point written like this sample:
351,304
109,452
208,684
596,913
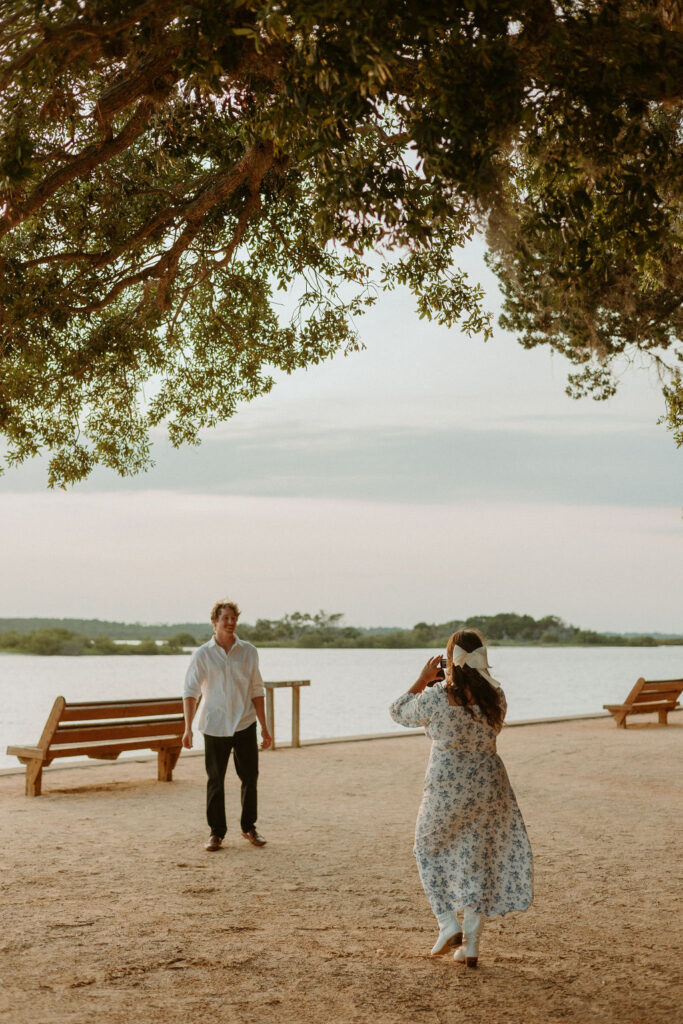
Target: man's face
225,626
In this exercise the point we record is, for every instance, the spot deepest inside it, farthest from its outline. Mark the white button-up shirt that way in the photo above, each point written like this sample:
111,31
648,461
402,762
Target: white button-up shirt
228,682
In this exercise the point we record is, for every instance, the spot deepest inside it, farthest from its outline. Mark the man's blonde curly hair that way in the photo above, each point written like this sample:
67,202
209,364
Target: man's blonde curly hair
220,605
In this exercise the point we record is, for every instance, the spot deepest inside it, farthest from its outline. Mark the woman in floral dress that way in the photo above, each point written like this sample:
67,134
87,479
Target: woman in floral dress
471,845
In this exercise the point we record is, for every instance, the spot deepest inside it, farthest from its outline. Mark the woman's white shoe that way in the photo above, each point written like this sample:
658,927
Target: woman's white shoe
450,934
472,925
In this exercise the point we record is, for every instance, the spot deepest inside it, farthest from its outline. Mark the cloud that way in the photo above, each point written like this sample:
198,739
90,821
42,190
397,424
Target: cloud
429,466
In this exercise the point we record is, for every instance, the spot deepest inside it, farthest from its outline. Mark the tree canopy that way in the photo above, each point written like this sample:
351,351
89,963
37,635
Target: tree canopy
168,167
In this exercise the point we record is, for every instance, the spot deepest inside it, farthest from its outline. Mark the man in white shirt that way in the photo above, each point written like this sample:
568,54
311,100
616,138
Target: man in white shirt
225,672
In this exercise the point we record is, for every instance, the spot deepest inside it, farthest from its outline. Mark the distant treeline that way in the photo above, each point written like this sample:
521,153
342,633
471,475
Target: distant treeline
102,627
506,628
64,641
94,636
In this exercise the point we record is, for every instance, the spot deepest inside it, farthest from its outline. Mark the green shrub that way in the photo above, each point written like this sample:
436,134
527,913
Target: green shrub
103,645
182,640
146,647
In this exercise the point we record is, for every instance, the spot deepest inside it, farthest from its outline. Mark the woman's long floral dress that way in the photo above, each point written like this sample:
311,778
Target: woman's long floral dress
470,841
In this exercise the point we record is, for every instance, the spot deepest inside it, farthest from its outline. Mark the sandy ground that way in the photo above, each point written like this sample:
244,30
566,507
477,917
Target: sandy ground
113,912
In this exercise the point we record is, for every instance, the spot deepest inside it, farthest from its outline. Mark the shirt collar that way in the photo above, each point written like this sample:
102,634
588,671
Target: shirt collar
237,643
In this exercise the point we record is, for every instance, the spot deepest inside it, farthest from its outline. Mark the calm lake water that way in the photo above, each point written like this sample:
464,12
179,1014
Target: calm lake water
350,689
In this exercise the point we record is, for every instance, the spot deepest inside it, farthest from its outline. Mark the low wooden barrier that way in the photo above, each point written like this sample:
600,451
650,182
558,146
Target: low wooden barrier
295,685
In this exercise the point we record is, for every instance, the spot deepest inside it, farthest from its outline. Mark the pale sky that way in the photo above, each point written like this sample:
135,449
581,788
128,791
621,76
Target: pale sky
429,477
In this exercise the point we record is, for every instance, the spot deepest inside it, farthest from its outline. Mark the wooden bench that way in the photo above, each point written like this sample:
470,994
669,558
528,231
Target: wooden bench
296,685
103,730
660,695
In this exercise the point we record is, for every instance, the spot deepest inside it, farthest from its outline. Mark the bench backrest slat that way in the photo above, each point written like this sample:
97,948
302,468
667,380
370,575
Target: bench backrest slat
119,730
646,708
94,710
648,688
650,696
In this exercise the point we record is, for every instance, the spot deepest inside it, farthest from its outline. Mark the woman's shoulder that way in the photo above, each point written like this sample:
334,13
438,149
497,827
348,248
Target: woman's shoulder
434,696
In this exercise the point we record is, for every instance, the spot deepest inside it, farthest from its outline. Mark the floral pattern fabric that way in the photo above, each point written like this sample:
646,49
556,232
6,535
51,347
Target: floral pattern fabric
471,845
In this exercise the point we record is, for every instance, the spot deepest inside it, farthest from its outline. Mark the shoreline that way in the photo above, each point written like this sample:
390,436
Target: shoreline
129,648
324,741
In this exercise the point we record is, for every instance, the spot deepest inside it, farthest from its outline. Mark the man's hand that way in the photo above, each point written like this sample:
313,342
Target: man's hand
187,738
266,739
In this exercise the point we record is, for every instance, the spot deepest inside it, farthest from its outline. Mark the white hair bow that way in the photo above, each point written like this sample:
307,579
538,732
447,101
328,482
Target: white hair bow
477,659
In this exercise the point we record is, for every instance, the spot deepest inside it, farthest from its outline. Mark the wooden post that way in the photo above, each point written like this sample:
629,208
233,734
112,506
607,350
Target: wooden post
296,704
663,720
270,714
295,686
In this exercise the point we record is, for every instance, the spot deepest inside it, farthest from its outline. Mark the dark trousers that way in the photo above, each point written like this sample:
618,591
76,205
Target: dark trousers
244,747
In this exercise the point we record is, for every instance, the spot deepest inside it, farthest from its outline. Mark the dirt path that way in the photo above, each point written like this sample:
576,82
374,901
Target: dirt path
112,911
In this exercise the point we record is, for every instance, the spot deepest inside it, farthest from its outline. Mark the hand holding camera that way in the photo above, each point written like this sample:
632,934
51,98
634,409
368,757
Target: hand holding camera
441,673
433,672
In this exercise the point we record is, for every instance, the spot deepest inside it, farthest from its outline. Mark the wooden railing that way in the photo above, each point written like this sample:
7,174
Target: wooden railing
295,685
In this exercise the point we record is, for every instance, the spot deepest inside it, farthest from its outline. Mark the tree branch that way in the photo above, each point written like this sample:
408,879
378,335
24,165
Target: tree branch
153,78
86,161
253,204
76,29
255,163
251,167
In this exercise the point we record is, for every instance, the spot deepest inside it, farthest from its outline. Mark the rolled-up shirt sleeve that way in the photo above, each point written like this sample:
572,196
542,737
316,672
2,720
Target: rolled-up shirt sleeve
256,689
413,709
195,676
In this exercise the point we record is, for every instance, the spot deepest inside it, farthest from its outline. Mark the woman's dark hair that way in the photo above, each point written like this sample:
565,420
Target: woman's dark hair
463,679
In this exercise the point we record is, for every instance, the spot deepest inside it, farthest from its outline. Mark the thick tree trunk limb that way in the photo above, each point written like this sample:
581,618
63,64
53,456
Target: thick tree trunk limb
86,161
154,77
252,205
192,208
252,167
253,164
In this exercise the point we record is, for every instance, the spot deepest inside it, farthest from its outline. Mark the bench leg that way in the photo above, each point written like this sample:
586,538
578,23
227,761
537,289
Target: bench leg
663,719
166,762
34,778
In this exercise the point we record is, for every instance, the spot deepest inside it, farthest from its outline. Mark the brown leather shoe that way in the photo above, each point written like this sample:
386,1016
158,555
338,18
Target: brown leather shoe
214,843
254,838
